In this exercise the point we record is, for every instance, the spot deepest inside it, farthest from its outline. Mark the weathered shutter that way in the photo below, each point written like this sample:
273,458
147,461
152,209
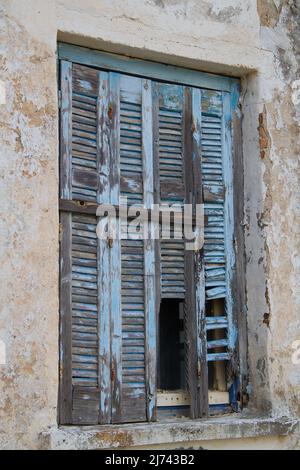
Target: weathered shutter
177,111
134,383
219,255
79,248
170,181
107,286
130,137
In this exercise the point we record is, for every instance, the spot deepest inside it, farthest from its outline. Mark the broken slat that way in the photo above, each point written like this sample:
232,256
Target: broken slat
213,323
218,357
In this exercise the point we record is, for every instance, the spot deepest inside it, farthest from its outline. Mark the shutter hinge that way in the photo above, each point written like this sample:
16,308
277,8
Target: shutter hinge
59,99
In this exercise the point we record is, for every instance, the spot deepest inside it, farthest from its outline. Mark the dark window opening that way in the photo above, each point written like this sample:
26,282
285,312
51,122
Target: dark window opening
171,359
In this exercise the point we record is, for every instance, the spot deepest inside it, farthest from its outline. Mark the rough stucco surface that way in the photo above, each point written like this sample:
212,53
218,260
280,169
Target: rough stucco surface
258,41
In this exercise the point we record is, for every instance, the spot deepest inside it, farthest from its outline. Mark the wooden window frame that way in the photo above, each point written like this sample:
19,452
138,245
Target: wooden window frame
194,78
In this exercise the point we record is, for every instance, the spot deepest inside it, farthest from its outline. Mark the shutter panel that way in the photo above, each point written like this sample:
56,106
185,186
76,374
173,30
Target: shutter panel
81,347
177,132
218,243
79,247
108,290
169,114
213,189
84,184
84,320
134,383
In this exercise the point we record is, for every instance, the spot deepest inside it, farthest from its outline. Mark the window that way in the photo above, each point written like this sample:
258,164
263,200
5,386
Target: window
148,328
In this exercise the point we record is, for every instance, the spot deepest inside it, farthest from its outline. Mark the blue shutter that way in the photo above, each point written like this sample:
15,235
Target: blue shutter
124,136
219,258
169,116
134,397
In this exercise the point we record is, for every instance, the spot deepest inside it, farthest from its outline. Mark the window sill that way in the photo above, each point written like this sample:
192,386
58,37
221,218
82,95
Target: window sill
170,432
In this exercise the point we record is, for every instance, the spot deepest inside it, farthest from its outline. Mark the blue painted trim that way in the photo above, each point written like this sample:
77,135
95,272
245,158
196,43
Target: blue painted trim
233,391
172,407
220,406
143,68
229,218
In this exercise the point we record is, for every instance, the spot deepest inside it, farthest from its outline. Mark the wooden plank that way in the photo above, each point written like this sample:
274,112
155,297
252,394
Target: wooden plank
228,218
230,249
190,321
65,402
148,69
149,253
103,255
66,130
199,274
181,398
115,250
239,278
156,200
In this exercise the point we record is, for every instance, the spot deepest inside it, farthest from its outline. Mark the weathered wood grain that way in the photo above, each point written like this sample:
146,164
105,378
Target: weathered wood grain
65,401
66,129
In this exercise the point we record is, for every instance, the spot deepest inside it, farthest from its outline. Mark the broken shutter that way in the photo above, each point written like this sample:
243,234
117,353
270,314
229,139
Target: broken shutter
177,115
134,138
107,286
219,258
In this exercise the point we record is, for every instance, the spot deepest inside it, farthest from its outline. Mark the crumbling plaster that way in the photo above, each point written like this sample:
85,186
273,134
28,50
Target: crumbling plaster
258,41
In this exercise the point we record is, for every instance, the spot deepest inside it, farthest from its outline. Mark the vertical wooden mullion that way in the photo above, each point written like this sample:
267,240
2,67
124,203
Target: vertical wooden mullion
65,245
189,269
66,318
239,294
115,251
149,252
228,216
156,199
229,239
194,265
199,275
103,255
66,130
